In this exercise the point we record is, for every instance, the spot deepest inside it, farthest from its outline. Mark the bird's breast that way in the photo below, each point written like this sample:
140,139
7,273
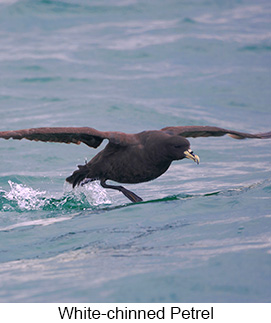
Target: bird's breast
134,167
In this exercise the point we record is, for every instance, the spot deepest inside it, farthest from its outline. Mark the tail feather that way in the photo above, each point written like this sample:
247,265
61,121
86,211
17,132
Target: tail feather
78,176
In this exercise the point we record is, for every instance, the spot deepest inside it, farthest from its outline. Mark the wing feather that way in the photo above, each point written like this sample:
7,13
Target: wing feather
207,131
89,136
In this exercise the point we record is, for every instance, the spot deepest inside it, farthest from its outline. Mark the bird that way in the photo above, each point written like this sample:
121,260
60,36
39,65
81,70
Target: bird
128,158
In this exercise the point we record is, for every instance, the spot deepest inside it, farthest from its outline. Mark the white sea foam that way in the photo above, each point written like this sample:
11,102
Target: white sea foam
42,222
93,192
26,197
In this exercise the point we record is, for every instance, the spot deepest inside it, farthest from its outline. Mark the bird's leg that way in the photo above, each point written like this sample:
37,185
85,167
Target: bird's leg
131,196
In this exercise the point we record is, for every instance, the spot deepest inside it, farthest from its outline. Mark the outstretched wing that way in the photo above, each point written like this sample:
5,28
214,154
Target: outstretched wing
89,136
206,131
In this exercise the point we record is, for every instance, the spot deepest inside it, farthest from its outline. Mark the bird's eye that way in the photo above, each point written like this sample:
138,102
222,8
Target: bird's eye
178,146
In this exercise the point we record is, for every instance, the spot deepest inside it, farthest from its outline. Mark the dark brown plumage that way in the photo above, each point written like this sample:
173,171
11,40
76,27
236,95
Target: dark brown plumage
128,158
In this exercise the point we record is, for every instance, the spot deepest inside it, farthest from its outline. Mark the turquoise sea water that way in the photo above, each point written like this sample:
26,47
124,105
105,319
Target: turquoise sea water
203,232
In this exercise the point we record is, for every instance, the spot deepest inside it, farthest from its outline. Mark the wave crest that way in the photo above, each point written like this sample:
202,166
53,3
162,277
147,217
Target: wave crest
23,198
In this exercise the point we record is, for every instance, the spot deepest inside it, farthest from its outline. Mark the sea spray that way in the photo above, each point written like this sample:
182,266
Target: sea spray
24,198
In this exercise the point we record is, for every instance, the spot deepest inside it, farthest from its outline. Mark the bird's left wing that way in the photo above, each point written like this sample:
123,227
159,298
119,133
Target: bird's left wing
207,131
89,136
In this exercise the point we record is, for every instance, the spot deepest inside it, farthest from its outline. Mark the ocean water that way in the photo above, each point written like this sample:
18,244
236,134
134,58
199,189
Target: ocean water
203,232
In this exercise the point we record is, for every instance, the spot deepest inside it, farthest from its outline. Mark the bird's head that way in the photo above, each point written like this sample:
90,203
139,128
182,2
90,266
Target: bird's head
179,148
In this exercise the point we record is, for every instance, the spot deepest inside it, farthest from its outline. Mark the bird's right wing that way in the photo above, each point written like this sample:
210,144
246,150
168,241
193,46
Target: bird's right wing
207,131
89,136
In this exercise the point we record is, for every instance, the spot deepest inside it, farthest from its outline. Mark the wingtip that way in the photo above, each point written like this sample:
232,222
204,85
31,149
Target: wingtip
265,135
